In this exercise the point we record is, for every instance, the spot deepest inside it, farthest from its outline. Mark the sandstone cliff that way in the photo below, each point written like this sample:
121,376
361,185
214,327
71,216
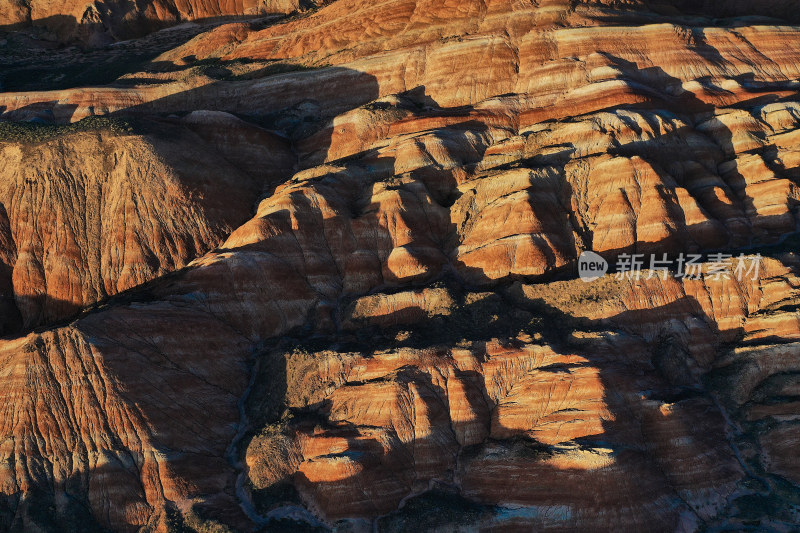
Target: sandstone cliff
321,273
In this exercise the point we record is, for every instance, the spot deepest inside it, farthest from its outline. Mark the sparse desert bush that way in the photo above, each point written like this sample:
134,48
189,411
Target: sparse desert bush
37,132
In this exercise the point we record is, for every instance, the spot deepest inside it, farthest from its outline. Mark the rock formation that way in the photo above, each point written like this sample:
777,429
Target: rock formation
321,272
100,22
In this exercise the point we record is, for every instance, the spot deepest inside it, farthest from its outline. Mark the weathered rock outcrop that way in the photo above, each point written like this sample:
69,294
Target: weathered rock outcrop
100,22
358,233
90,214
514,423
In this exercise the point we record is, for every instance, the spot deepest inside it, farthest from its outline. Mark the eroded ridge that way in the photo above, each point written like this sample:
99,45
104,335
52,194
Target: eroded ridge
327,276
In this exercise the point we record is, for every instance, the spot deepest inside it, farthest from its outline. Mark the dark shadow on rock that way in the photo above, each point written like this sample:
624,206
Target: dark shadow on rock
254,160
729,227
785,10
266,156
43,113
283,102
35,64
643,470
108,22
288,104
166,406
662,372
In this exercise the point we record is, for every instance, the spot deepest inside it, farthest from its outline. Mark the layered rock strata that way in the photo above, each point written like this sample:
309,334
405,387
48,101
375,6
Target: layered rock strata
359,254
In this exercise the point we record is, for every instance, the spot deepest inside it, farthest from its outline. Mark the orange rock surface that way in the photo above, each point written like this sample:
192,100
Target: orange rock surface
321,270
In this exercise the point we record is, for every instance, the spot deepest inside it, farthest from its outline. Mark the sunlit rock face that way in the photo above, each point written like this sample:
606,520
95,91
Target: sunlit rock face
320,271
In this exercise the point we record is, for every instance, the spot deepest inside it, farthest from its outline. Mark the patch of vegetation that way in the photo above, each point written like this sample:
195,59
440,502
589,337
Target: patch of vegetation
38,509
307,8
266,403
267,498
197,520
723,380
241,69
292,384
38,132
271,70
434,509
174,522
755,506
475,316
81,71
